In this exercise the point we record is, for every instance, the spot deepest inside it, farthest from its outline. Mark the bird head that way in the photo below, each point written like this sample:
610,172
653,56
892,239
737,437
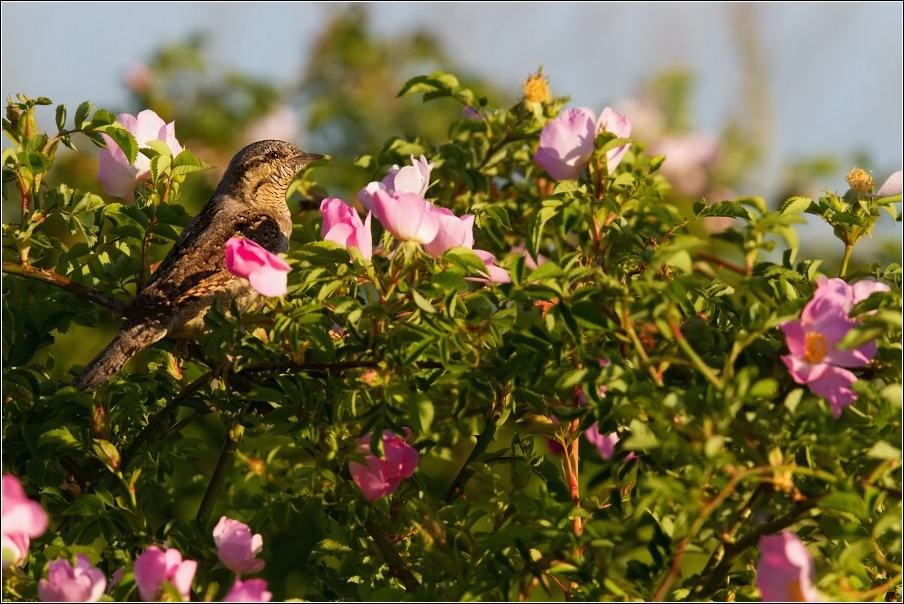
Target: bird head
264,170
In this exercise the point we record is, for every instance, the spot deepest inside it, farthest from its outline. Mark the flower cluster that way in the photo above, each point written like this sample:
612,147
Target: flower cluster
567,142
156,570
119,177
378,477
398,203
815,359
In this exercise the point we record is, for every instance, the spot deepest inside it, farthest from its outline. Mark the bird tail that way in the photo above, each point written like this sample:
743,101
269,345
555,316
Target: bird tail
133,337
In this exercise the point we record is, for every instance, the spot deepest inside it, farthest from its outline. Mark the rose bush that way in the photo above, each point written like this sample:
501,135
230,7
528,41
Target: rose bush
380,423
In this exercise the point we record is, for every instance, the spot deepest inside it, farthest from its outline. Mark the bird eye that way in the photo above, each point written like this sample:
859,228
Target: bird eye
273,155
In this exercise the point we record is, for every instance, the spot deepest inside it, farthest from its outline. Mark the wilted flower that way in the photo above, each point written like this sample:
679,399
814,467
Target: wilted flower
65,583
453,232
380,477
785,570
116,174
342,225
155,566
23,519
252,590
408,216
567,142
267,273
237,547
860,180
410,179
815,358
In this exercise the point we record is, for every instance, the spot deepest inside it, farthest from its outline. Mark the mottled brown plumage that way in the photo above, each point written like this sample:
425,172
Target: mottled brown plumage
249,202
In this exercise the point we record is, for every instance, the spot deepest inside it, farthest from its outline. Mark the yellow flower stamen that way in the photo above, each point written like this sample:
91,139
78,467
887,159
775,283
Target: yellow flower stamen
859,180
816,347
536,89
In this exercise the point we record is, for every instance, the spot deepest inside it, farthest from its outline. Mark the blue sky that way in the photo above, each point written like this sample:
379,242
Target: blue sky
834,70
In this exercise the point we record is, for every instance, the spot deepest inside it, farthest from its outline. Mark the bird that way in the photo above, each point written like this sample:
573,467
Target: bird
249,202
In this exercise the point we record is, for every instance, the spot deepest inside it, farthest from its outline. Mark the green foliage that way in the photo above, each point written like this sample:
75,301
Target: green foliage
259,419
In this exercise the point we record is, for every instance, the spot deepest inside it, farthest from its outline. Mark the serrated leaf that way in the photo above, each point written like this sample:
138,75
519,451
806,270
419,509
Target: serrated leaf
727,209
795,205
123,138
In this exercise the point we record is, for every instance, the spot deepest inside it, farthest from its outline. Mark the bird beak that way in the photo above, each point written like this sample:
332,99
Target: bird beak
305,158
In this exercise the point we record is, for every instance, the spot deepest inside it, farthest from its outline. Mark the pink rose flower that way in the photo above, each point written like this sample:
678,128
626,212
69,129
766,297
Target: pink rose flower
237,547
408,216
815,358
605,444
521,250
281,124
567,142
116,174
494,273
689,159
252,590
22,519
453,232
342,225
784,572
614,122
65,583
155,566
267,273
380,477
892,186
410,179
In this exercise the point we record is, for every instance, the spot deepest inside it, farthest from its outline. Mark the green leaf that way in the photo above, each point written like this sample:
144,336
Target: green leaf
884,450
422,302
61,117
727,209
795,205
187,162
124,139
641,437
81,114
421,407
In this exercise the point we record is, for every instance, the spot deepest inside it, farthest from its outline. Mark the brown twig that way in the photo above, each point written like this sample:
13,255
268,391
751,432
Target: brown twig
397,566
77,289
724,264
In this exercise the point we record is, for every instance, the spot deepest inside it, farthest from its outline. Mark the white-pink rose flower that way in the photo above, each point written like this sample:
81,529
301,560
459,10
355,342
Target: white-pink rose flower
117,176
379,477
267,273
408,216
410,179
